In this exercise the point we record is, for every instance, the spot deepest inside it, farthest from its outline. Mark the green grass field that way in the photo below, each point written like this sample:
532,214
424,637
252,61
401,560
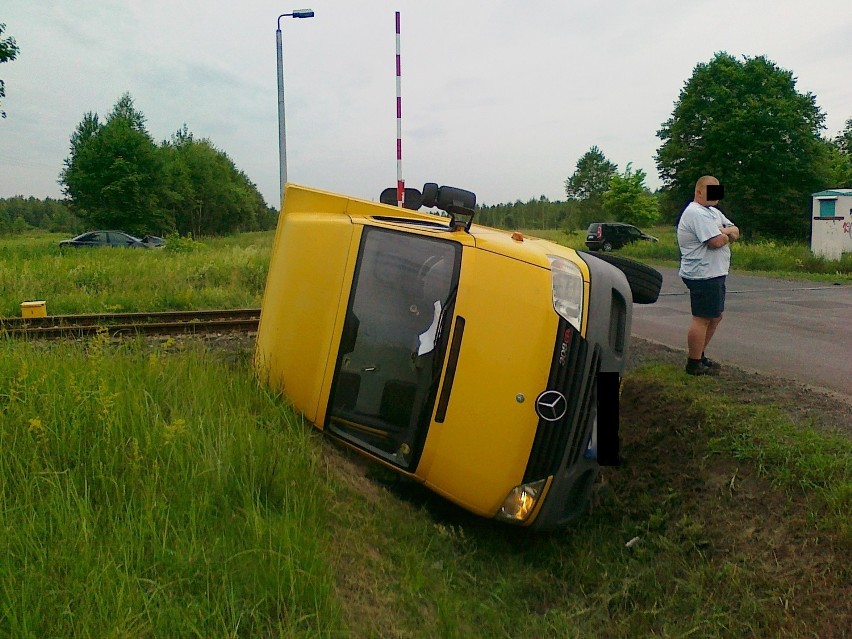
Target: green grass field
216,273
154,489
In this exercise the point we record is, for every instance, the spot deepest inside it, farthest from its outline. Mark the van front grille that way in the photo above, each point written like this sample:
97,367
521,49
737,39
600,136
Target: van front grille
572,372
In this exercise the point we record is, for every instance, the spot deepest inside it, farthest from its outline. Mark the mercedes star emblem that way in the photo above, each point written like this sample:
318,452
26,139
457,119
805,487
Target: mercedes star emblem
551,406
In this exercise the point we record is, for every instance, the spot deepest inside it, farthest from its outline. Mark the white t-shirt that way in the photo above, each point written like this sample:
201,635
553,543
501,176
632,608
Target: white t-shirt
697,260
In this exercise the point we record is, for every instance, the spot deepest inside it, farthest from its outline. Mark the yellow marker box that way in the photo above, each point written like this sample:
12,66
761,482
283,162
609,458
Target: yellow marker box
34,309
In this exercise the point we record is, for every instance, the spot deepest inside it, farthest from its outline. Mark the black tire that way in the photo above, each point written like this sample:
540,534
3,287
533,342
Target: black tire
645,281
607,247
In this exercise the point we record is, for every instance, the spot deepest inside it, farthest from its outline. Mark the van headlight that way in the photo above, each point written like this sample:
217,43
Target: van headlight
567,284
521,502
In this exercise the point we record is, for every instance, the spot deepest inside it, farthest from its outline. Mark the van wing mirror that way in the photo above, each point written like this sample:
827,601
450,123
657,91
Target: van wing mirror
451,200
430,195
460,204
413,199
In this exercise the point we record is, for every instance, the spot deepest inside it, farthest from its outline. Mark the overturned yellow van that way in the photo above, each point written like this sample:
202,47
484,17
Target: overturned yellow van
481,363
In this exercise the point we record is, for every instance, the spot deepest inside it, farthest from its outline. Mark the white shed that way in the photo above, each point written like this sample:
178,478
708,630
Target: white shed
831,226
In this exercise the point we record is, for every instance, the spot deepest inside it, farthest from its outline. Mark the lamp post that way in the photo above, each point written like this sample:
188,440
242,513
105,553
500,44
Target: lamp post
282,133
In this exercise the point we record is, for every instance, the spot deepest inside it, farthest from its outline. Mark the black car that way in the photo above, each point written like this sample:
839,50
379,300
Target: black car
607,236
112,239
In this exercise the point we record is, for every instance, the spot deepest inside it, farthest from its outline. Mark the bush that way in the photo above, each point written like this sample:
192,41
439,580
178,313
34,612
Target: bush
177,243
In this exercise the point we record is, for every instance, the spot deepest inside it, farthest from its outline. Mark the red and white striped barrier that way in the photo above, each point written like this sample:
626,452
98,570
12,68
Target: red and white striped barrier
400,183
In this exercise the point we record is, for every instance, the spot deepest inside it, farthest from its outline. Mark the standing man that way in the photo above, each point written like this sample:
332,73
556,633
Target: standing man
704,235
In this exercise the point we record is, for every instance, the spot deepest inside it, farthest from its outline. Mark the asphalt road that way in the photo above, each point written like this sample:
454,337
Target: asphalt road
789,328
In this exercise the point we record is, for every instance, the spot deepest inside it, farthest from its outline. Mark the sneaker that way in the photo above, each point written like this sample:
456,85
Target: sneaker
709,363
701,369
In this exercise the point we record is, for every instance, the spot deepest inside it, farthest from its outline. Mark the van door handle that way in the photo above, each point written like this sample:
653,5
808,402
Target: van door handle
452,362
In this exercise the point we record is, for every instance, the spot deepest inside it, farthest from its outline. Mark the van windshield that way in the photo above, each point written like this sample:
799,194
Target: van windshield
392,344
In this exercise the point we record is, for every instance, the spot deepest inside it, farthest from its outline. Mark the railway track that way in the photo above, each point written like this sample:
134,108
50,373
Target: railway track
116,324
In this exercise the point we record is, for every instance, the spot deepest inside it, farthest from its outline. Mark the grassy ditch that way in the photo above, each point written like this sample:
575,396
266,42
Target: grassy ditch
156,490
723,522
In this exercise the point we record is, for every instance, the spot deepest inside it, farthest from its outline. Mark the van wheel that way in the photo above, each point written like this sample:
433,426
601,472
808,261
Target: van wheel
645,281
607,247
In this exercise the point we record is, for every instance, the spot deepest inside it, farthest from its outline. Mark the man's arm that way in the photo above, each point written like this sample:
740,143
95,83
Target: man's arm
718,241
727,234
732,232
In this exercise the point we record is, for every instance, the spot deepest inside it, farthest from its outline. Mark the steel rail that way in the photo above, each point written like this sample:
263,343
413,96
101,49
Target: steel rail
159,323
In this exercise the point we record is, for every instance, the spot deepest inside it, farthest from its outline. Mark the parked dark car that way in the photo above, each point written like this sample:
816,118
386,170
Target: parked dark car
113,239
154,241
607,236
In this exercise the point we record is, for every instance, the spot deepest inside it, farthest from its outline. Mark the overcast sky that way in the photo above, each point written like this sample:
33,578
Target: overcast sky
498,97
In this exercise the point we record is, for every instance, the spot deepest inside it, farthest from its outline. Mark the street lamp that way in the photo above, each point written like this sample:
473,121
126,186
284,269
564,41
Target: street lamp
282,133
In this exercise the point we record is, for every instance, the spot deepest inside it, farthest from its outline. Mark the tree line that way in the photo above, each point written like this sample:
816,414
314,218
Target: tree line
116,176
596,192
538,213
20,214
742,121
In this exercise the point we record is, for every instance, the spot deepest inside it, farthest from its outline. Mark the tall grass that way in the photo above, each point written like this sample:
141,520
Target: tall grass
155,492
220,273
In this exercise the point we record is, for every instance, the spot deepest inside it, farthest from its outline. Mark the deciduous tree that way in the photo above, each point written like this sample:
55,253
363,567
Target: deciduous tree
116,176
744,122
125,109
840,153
844,139
629,200
8,51
87,128
591,177
587,185
207,194
112,175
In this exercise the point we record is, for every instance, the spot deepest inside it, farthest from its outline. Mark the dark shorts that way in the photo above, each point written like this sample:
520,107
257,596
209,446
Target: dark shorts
707,296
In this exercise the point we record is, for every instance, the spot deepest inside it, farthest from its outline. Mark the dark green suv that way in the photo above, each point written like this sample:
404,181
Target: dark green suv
606,236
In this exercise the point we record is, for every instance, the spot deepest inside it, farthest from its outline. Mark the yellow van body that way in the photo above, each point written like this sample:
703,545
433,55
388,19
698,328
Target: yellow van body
468,360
